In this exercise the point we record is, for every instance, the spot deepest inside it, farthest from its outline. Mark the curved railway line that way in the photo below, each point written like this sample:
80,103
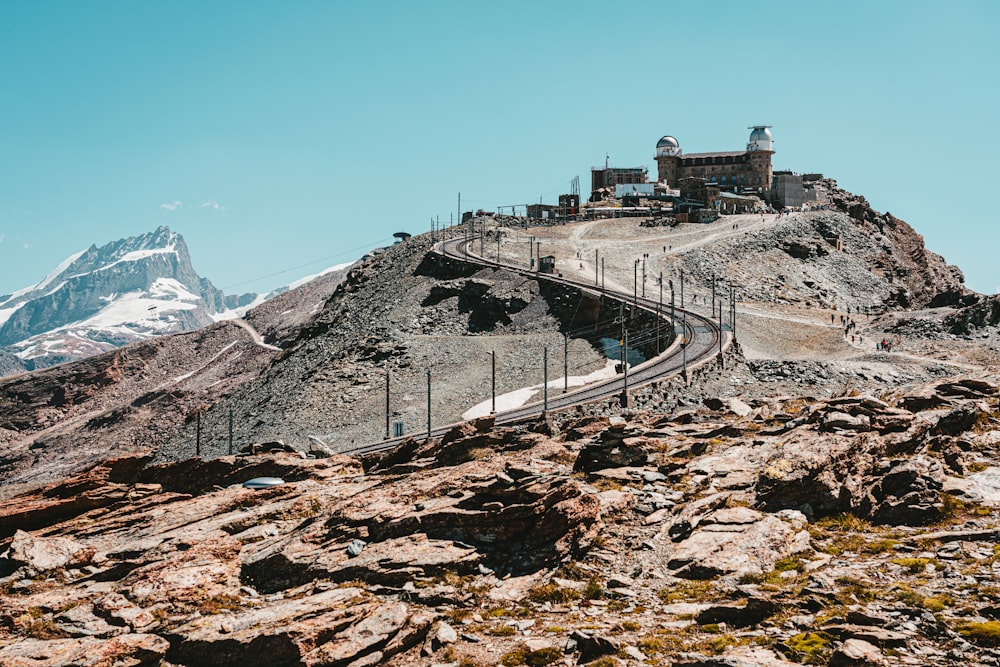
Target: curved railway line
705,337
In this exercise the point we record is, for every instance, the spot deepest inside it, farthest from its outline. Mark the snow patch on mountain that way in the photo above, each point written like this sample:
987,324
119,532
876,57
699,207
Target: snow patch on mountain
102,298
55,273
105,297
302,281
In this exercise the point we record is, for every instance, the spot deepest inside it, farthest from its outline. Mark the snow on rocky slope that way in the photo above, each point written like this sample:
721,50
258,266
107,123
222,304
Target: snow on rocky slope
105,297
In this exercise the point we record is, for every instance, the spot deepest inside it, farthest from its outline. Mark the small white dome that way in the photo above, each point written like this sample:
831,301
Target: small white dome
760,139
668,146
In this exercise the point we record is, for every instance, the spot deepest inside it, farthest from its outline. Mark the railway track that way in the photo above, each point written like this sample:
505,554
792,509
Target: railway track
705,339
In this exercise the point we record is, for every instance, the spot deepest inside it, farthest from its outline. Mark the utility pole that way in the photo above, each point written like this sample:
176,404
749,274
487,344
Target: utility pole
732,312
684,344
659,314
713,295
545,381
602,274
596,267
565,362
493,356
387,401
498,245
635,282
458,214
625,368
673,322
684,330
428,404
621,320
720,326
644,256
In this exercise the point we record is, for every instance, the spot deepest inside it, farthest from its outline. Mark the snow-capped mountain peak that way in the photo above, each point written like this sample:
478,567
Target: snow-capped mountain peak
108,296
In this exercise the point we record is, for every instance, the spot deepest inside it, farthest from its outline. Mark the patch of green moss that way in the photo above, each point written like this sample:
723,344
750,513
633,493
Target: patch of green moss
879,546
811,648
606,661
983,634
688,591
513,658
858,588
917,565
553,593
503,631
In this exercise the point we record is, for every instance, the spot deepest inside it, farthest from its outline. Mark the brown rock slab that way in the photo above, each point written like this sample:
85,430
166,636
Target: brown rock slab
857,653
130,650
739,616
739,657
188,576
42,554
820,470
117,609
729,541
283,563
282,632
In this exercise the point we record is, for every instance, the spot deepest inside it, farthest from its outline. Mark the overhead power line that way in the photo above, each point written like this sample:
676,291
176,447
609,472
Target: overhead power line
342,253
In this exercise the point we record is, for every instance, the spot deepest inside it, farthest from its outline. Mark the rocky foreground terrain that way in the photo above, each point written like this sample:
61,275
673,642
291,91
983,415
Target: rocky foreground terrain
851,531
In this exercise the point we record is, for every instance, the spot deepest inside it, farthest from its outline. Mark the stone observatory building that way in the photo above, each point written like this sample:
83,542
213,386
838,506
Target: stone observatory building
740,171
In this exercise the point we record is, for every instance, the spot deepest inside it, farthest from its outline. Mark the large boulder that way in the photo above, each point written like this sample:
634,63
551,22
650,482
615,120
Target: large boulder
285,563
961,419
731,404
42,554
741,656
541,516
133,650
841,421
616,448
738,541
821,471
333,627
907,493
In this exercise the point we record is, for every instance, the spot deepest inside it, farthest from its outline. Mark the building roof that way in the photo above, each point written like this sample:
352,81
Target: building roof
636,169
688,156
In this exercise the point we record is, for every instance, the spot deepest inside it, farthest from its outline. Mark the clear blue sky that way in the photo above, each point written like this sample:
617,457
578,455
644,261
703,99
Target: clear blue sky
294,134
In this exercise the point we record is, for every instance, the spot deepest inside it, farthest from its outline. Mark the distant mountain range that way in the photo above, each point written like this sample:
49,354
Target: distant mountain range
106,297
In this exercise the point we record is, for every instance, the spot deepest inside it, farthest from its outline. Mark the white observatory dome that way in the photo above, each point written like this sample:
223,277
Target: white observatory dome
668,146
760,139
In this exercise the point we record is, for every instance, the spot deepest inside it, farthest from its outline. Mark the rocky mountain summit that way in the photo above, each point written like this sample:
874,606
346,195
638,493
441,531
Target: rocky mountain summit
106,297
853,531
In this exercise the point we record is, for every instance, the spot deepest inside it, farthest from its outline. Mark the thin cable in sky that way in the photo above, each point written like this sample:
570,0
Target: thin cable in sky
315,261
